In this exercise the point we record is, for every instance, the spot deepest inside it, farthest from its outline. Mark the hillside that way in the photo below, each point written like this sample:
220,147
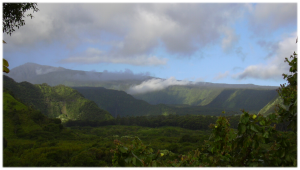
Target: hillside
39,74
56,102
212,97
247,99
271,106
121,103
20,120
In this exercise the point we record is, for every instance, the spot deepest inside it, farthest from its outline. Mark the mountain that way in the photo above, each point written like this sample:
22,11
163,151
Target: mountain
121,103
271,106
55,102
247,99
212,96
21,121
39,74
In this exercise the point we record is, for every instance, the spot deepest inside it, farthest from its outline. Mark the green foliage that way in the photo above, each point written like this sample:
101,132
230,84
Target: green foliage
5,66
121,103
13,14
60,101
289,95
255,143
247,99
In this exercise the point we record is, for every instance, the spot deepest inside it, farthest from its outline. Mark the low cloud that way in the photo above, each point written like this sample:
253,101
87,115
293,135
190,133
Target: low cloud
92,56
41,71
155,85
221,75
275,66
107,76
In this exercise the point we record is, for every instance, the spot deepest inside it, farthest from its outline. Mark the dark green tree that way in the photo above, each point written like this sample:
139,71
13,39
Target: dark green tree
13,14
288,93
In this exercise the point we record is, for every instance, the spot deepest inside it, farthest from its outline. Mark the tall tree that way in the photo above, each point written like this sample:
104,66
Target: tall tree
13,14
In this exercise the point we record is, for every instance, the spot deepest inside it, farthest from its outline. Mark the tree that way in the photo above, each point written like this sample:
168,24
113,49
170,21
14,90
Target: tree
289,95
13,14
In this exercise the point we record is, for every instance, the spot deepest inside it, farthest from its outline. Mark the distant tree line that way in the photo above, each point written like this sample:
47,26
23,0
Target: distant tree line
193,122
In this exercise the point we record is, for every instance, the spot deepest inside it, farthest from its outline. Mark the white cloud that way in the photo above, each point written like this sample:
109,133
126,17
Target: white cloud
275,66
182,29
230,39
155,85
268,17
92,56
221,75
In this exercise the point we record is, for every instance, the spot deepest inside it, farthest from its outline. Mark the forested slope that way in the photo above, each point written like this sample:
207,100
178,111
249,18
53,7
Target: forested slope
121,103
247,99
56,102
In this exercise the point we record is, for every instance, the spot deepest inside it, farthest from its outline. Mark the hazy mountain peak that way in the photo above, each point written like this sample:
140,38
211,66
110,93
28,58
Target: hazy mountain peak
28,71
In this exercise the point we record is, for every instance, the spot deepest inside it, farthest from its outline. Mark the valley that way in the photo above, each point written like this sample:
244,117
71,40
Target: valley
90,124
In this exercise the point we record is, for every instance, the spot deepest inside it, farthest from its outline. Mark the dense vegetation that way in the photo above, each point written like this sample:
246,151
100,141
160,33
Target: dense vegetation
37,138
32,139
256,142
121,103
55,102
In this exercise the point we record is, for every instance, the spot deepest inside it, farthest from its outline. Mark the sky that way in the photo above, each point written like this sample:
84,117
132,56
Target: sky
233,43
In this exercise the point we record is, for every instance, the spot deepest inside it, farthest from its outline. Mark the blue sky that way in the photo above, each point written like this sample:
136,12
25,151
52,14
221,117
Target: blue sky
219,43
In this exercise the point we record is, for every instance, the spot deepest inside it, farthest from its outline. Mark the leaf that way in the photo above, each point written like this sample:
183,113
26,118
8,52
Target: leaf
266,134
282,154
123,149
5,69
253,128
241,128
154,164
262,122
5,63
128,160
134,161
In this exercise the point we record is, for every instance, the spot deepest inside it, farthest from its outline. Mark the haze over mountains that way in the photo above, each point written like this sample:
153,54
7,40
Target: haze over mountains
126,80
145,93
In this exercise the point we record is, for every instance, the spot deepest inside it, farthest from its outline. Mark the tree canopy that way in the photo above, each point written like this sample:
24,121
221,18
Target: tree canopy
13,14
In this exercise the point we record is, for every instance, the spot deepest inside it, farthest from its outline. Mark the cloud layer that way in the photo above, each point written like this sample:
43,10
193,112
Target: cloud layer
276,15
275,66
130,31
93,56
108,76
155,85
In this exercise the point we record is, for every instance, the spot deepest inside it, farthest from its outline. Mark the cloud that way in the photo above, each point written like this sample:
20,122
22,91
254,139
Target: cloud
221,75
155,85
269,46
137,29
92,56
239,52
275,66
269,17
127,74
229,40
41,71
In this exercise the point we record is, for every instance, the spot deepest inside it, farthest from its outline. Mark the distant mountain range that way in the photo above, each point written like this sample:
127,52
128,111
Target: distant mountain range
102,88
60,101
38,74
